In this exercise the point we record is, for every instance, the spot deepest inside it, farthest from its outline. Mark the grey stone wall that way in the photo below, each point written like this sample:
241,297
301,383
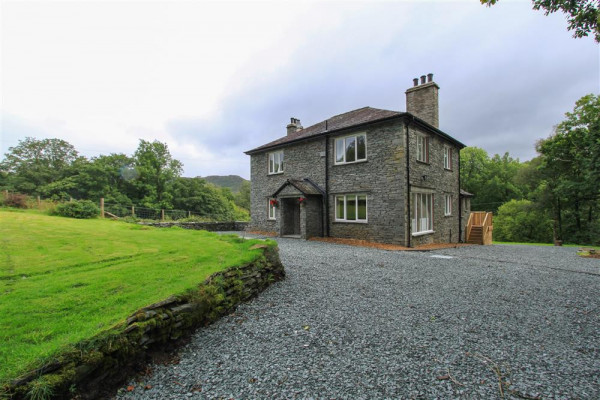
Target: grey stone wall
301,161
310,213
422,101
466,211
202,226
381,177
433,177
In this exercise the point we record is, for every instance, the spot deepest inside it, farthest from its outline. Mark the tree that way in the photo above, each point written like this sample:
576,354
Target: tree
492,180
582,15
571,167
195,194
242,198
157,172
522,221
33,163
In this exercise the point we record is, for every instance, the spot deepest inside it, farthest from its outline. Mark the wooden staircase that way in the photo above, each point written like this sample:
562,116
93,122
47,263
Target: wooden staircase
480,228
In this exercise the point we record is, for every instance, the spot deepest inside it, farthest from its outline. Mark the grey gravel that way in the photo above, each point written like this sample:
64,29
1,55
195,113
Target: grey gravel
360,323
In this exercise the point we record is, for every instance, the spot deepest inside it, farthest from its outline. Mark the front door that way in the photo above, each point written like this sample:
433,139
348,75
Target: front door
291,216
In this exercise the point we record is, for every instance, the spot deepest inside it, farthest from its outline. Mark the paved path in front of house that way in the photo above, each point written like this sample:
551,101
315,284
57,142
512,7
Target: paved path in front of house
360,323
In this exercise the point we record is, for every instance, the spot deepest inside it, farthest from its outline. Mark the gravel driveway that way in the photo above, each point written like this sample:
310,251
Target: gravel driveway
360,323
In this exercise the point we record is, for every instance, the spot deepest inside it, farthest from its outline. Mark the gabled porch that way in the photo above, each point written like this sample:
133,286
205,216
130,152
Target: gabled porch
300,204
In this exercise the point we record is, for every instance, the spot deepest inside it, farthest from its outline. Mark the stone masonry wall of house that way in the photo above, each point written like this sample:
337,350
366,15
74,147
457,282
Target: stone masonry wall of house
439,181
381,177
303,160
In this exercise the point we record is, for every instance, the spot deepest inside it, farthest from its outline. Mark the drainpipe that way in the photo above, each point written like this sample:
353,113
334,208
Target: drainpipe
326,197
459,204
407,124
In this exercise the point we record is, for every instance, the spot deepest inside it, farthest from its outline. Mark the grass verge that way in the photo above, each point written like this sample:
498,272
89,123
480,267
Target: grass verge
64,280
549,244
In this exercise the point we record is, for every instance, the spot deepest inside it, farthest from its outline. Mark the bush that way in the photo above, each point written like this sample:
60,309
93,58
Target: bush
522,221
81,209
16,200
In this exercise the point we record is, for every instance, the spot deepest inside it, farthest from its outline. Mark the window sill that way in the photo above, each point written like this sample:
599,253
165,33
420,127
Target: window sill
275,173
447,215
351,162
448,169
422,233
271,219
423,162
342,221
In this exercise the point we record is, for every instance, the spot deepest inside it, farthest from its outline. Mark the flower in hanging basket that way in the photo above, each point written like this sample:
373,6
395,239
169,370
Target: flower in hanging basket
274,202
301,200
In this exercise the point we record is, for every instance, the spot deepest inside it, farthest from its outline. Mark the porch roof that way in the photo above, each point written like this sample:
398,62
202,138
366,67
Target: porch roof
304,186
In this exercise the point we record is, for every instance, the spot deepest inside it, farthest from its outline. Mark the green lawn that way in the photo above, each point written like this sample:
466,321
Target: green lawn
64,280
548,244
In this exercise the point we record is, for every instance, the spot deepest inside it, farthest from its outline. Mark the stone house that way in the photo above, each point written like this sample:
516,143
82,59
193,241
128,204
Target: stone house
371,174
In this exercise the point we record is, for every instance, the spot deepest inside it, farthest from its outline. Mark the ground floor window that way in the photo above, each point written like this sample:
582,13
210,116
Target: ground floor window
448,204
351,207
422,220
272,208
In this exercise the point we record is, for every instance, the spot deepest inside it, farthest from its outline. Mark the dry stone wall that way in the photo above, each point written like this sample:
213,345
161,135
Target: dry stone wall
202,226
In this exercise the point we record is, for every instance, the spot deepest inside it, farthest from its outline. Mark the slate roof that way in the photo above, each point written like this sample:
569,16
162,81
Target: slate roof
464,193
341,121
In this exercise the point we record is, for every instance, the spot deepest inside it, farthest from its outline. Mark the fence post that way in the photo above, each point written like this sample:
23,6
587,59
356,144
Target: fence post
189,214
39,202
101,207
6,194
133,211
162,214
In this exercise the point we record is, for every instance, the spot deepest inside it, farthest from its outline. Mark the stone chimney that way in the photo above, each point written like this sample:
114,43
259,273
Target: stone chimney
422,100
293,126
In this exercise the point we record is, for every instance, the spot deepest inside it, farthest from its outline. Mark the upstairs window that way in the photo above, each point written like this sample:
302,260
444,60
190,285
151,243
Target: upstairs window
447,157
350,149
276,162
423,148
448,204
351,208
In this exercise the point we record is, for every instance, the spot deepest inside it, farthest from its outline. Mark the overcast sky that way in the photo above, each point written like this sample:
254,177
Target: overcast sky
213,79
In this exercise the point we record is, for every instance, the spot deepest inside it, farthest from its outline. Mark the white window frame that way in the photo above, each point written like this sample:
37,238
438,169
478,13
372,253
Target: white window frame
447,205
425,224
345,197
423,148
448,158
271,162
272,210
343,140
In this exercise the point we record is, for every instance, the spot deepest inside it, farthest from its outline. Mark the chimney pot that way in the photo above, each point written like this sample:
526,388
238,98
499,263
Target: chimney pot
429,77
416,82
423,79
293,126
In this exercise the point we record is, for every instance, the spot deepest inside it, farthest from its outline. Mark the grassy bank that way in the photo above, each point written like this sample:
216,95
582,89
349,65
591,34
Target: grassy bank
64,280
548,244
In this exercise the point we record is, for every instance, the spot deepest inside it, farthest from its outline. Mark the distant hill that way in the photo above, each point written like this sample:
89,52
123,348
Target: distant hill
233,182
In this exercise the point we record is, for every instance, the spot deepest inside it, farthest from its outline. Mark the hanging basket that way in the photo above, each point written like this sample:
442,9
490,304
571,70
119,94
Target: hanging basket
301,200
274,202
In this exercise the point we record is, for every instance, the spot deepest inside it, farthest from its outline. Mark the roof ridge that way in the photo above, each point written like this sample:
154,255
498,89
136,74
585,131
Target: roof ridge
344,113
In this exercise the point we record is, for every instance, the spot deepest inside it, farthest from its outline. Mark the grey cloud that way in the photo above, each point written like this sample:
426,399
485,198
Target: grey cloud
506,78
